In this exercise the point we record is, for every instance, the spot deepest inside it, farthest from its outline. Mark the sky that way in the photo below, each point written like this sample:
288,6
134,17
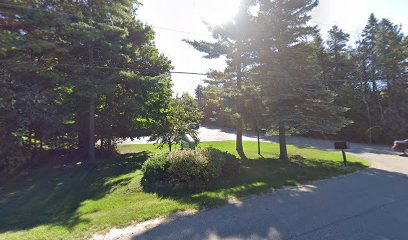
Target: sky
175,20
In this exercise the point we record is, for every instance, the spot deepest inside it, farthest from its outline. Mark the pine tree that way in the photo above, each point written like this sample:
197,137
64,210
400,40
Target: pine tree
283,24
293,94
367,45
337,54
391,69
94,65
381,56
233,41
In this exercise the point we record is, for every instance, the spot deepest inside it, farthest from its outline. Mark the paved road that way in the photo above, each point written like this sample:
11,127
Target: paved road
372,204
206,134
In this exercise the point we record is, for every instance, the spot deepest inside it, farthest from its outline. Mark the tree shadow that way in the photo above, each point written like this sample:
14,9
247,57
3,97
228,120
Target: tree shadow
256,176
287,214
53,195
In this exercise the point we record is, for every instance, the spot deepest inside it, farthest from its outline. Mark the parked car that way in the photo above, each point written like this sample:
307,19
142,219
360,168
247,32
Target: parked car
401,146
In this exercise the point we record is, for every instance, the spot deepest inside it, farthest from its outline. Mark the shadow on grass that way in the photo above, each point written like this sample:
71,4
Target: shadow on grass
53,195
256,176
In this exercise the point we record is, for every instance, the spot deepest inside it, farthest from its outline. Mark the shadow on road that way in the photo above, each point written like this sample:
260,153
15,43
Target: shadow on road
360,206
255,177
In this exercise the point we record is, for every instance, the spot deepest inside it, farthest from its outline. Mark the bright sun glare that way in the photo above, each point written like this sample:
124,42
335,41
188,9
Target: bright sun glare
217,12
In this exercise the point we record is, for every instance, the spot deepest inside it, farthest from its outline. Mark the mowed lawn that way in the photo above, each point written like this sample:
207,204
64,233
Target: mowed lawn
76,201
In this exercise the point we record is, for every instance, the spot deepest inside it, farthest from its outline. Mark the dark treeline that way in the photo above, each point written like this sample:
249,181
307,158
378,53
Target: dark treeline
282,75
76,73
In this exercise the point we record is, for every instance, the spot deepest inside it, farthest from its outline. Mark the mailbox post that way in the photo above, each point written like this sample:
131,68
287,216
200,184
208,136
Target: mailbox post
342,146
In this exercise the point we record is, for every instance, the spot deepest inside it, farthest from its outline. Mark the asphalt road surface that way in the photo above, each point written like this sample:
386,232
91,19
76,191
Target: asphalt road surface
371,204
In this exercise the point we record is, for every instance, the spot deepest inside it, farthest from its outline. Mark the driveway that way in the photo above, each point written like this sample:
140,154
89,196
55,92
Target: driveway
371,204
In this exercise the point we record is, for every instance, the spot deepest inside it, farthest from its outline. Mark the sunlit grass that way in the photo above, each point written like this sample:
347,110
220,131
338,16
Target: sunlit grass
77,201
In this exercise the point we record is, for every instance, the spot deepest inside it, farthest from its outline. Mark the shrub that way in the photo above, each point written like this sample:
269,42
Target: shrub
193,167
225,163
188,166
156,168
231,165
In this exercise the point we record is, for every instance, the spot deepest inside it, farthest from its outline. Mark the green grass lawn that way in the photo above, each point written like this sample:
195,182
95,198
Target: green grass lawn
77,201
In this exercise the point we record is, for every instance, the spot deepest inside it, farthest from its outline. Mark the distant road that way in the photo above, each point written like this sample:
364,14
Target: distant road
206,134
379,156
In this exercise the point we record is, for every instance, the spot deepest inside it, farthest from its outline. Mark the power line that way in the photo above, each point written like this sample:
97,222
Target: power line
187,73
155,27
180,31
99,67
349,31
190,73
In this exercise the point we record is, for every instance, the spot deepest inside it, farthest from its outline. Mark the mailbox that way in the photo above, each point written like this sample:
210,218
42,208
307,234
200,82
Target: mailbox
340,145
187,142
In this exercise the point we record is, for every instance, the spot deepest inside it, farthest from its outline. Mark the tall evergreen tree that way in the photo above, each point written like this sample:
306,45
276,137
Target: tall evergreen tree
380,54
390,68
295,98
367,45
233,41
337,54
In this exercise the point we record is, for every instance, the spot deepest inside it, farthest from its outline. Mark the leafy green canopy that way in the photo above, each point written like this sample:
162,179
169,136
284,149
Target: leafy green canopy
181,117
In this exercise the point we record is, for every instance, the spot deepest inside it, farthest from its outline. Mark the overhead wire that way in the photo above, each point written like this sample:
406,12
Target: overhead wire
156,27
121,68
99,67
184,72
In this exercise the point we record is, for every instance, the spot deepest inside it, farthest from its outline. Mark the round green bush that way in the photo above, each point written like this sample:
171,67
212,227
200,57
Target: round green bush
192,167
155,169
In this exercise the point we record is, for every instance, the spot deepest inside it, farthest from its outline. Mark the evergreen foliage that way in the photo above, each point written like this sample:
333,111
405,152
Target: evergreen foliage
78,70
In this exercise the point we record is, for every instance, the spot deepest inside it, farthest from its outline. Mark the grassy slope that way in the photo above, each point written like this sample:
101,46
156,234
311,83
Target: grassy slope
77,201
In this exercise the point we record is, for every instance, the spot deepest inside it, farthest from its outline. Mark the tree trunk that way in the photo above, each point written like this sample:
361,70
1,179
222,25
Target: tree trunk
282,141
91,103
110,147
102,144
259,144
370,137
83,126
169,147
367,106
239,144
379,116
91,148
239,147
41,144
365,78
30,140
